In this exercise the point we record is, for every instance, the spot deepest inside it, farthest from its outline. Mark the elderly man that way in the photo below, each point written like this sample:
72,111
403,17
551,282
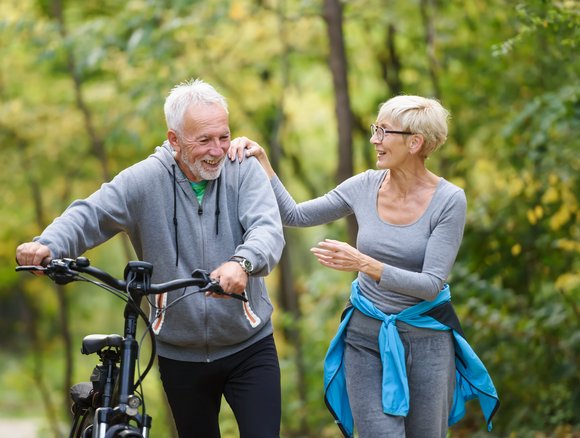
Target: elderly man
186,207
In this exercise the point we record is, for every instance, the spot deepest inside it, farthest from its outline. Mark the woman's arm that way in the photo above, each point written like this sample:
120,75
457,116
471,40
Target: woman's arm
324,209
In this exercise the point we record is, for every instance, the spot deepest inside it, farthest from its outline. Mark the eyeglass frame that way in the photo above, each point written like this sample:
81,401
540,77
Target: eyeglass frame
375,129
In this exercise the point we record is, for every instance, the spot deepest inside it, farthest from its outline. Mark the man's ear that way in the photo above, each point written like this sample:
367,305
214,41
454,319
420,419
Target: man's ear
172,137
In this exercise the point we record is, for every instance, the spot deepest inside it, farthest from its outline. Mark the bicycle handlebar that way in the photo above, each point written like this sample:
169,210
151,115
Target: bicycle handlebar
137,283
63,271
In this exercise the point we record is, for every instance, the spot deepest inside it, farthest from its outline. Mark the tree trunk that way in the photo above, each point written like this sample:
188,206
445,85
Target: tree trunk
391,64
36,194
31,316
332,15
429,30
97,145
426,7
97,149
288,299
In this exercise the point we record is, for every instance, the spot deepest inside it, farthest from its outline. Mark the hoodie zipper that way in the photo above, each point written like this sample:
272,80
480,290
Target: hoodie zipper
200,214
205,304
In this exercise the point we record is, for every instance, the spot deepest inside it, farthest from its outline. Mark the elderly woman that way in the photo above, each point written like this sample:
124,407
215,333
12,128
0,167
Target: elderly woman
399,351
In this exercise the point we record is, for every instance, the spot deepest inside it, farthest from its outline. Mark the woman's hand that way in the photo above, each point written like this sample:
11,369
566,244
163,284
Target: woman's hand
241,147
343,257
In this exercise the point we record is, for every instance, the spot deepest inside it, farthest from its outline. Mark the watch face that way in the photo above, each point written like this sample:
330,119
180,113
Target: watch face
247,265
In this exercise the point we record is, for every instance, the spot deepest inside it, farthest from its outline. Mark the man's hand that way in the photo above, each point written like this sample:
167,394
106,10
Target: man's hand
231,278
32,253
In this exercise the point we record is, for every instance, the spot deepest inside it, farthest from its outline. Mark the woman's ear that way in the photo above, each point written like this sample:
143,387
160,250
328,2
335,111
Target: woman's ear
416,143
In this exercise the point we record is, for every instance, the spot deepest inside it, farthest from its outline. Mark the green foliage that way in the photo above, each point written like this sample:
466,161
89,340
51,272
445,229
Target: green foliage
507,70
520,254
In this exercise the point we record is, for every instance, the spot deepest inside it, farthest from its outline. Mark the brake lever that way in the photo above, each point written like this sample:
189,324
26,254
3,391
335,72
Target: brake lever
214,286
58,270
217,289
61,271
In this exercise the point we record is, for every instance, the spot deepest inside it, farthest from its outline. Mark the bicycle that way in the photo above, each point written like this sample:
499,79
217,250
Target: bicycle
112,404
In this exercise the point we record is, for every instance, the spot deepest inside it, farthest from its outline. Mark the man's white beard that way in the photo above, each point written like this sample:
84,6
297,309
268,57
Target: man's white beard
197,169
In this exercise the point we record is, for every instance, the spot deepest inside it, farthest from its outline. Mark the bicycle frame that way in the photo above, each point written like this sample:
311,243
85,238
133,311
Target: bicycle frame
128,402
110,420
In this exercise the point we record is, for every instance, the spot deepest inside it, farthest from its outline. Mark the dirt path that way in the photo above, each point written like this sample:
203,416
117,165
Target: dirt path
18,428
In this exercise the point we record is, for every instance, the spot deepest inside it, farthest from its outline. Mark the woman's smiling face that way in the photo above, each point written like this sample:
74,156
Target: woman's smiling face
392,147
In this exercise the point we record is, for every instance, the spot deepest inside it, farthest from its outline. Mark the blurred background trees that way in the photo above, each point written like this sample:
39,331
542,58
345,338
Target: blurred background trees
82,86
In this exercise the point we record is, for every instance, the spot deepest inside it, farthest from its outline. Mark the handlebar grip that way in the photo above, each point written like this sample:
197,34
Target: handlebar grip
241,297
30,268
217,289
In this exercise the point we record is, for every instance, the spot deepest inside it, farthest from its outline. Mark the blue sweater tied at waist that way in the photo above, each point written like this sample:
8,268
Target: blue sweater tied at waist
472,378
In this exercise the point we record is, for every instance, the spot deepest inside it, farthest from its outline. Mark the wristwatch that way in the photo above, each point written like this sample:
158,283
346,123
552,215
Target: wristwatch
244,263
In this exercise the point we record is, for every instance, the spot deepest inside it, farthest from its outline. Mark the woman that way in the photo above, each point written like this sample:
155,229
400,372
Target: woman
398,364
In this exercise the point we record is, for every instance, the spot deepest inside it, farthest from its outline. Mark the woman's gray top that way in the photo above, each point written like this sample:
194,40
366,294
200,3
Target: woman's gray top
417,257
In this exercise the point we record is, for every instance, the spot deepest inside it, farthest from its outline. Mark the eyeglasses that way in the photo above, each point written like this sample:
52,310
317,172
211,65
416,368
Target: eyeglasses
380,132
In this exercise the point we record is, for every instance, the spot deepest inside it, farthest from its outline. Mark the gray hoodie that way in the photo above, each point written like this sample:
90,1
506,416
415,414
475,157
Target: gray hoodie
154,204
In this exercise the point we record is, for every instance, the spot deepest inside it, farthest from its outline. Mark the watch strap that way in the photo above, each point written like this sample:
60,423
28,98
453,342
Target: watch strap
244,263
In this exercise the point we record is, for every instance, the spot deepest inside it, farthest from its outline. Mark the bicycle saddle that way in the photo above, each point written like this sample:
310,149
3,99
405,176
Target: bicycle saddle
94,343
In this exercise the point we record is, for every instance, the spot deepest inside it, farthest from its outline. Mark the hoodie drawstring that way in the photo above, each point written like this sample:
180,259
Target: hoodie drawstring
175,215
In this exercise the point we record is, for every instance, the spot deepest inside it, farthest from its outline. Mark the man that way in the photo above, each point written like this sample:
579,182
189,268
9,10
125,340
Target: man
186,207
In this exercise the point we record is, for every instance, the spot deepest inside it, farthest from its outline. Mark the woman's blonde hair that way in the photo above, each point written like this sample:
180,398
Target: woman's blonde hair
419,115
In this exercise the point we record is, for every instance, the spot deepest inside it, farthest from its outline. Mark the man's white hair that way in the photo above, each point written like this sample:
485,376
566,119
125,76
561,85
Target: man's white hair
186,94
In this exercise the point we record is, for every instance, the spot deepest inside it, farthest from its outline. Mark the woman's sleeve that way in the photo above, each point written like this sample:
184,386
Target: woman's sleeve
324,209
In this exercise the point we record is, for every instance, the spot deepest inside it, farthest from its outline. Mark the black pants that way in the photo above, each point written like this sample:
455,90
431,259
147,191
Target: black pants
249,380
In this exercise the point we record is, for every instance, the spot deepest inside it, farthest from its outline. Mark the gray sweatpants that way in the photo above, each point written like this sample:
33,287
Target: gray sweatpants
430,370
